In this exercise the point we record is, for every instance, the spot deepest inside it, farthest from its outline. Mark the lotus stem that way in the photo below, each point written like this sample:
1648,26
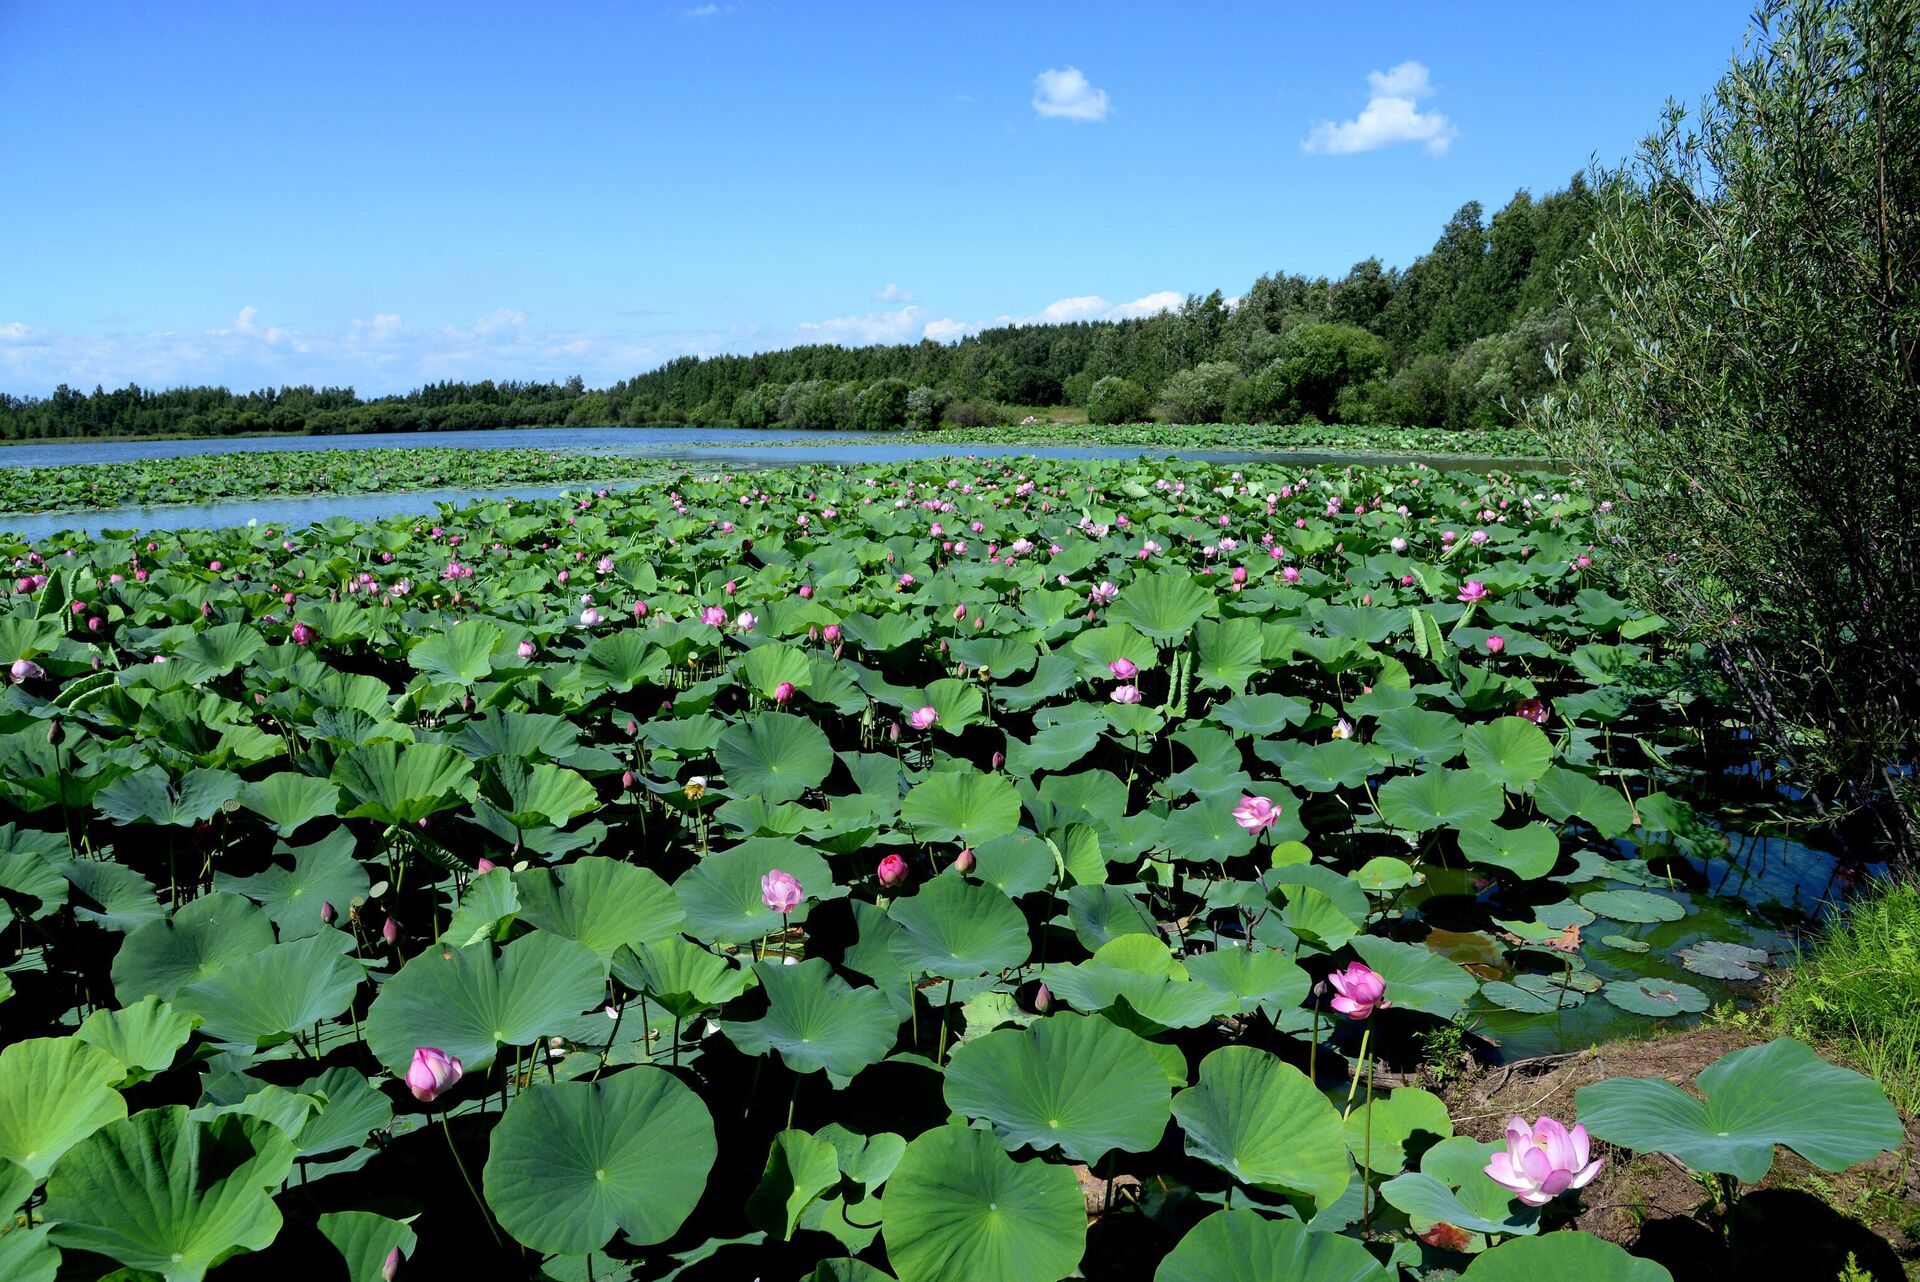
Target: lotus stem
461,1166
1313,1047
946,1013
1366,1161
1354,1085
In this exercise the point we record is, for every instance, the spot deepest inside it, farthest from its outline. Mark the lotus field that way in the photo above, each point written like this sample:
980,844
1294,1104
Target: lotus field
946,872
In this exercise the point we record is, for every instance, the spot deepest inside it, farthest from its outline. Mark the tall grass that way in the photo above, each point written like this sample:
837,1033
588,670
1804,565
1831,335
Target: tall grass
1857,990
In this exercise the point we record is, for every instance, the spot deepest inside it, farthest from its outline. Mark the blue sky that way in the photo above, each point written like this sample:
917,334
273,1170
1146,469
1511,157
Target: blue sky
382,194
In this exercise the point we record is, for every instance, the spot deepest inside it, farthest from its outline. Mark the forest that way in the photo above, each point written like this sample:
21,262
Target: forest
1464,337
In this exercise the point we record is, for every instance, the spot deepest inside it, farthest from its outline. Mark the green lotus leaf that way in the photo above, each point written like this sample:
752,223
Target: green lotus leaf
602,903
1075,1082
1137,975
1164,606
150,796
490,899
461,654
1562,1255
1632,906
1562,794
1227,653
402,784
364,1241
683,977
1019,863
765,667
323,873
621,660
774,755
169,1195
958,1209
574,1162
1433,798
721,894
348,1110
54,1092
111,895
962,806
1777,1093
1528,852
144,1036
1246,1246
817,1021
1510,749
1261,714
1262,1122
536,796
1532,994
1417,977
278,991
1258,979
1396,1128
206,935
957,929
1417,734
27,1255
799,1169
1657,997
469,1002
289,799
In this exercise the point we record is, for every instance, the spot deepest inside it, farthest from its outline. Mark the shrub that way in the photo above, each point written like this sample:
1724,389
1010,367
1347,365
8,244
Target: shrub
1197,395
1116,400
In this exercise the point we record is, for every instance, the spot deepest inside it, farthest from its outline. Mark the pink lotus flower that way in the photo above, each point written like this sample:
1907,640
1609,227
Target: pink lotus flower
780,891
303,635
1359,989
1125,694
1290,575
25,670
1103,594
893,872
831,634
923,718
783,693
746,622
527,649
1256,814
959,613
1543,1161
714,616
1533,710
1471,591
433,1073
1124,668
1496,644
589,617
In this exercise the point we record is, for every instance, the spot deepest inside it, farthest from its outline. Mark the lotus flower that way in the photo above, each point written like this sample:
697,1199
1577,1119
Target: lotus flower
714,616
1359,990
527,649
1533,710
1473,590
783,693
390,1267
433,1073
390,931
781,892
1543,1161
1256,814
964,861
1342,729
1124,668
1103,594
1128,693
589,617
1496,644
893,872
831,634
923,718
746,622
303,634
26,670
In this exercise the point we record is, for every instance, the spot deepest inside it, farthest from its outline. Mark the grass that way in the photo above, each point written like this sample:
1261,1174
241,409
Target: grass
1857,990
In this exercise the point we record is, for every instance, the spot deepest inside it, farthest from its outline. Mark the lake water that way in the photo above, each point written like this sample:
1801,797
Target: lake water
703,446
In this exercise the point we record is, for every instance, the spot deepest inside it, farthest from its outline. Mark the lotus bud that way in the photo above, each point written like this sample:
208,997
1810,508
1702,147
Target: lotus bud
1040,1001
390,931
528,649
999,760
964,861
959,613
433,1073
633,726
24,670
893,872
56,733
893,732
628,781
95,623
831,634
390,1266
327,913
1496,644
485,866
806,592
783,693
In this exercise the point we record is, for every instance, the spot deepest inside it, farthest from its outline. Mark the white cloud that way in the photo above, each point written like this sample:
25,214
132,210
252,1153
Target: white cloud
709,10
897,326
1064,311
1067,95
892,293
1391,117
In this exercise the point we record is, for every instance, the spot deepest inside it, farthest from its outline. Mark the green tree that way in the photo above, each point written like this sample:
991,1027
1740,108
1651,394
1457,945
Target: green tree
1116,400
1752,402
1198,395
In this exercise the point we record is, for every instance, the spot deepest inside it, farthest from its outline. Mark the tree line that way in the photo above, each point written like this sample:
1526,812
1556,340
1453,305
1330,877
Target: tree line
1464,337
